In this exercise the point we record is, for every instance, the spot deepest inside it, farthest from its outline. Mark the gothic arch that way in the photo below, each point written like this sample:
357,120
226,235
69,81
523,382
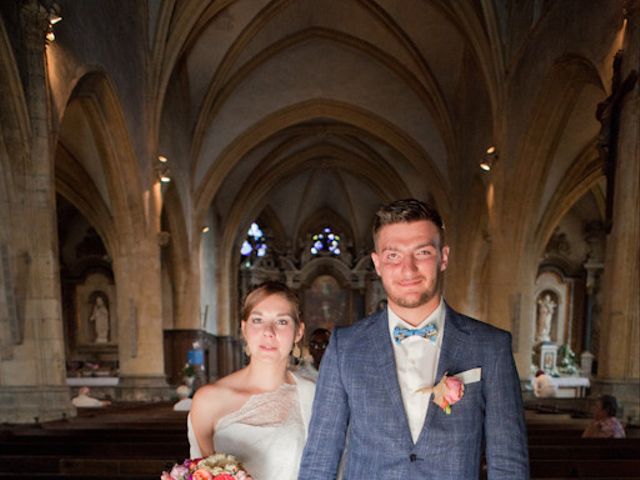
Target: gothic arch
555,102
308,110
250,202
97,106
582,176
176,24
104,114
77,187
429,92
381,178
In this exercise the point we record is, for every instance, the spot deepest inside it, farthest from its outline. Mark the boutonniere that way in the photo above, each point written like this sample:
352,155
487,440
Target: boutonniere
447,392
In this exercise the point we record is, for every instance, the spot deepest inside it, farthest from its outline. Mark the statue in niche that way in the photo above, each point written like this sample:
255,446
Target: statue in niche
546,308
100,318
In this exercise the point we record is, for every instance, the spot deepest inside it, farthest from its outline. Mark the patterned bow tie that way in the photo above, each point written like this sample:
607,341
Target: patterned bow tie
428,332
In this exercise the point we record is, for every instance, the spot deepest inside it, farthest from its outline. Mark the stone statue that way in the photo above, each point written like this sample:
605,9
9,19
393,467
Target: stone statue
100,318
546,307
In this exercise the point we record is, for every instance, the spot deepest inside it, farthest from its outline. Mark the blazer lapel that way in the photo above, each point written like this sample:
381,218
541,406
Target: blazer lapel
452,349
386,363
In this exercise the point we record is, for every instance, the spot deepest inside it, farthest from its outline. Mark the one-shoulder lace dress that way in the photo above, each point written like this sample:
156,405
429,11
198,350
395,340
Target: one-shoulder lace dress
267,434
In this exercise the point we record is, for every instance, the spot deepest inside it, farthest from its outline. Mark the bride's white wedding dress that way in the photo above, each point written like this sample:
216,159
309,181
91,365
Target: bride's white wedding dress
267,434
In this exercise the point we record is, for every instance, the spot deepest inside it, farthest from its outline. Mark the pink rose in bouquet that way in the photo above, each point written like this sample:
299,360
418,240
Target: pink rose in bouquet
218,466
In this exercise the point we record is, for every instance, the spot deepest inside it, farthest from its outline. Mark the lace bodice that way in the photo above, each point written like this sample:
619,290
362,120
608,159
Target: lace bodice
270,409
267,434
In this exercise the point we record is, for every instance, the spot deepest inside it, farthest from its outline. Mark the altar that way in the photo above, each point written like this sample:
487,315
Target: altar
569,386
93,381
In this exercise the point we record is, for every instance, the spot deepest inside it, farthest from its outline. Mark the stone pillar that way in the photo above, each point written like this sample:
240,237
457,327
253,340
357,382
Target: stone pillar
140,336
619,359
510,301
33,386
594,270
594,265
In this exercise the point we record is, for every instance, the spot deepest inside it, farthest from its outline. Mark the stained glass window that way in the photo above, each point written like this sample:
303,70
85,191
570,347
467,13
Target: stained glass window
254,245
326,241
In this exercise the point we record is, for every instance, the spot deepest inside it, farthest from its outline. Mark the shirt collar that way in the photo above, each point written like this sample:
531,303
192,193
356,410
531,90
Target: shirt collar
436,317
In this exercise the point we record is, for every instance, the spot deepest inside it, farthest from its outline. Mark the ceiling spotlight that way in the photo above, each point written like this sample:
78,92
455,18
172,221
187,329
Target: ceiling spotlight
162,159
54,18
205,229
489,159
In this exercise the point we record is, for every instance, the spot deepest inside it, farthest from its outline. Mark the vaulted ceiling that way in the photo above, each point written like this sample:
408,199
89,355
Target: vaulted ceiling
301,105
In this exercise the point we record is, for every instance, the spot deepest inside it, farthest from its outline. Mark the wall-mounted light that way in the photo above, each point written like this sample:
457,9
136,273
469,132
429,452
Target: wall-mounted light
489,159
205,229
54,17
50,36
162,169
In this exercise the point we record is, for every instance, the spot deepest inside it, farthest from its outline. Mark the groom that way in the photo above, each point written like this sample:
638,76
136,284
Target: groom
368,394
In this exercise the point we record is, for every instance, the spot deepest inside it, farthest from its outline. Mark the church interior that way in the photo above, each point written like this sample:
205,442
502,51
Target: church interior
172,154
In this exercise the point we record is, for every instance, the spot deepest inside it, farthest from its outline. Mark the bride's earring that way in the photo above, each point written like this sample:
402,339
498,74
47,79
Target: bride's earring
296,353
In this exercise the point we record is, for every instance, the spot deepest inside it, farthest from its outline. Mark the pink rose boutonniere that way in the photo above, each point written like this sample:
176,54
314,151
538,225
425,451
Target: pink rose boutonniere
446,393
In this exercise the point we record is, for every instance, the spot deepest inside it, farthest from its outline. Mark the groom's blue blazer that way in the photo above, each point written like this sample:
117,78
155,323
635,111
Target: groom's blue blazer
358,403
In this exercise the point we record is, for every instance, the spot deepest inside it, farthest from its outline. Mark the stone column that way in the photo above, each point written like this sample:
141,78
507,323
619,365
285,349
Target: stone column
510,298
593,273
511,269
619,362
140,336
33,377
595,238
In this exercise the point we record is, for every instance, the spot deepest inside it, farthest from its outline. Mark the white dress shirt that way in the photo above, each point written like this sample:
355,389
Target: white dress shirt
416,366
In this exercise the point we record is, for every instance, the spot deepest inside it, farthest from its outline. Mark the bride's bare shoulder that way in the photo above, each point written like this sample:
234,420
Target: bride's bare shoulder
219,397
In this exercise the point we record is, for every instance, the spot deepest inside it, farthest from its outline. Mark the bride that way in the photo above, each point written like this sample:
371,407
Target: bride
260,413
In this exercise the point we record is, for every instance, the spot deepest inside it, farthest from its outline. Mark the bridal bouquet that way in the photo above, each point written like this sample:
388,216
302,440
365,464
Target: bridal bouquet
218,466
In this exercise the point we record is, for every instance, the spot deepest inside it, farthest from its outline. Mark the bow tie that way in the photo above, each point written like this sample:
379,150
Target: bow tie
428,332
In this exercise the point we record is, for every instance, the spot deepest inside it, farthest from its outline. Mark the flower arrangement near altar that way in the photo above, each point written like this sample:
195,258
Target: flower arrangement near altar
218,466
447,392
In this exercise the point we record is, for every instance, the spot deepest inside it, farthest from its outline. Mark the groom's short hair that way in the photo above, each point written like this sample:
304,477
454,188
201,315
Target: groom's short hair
406,211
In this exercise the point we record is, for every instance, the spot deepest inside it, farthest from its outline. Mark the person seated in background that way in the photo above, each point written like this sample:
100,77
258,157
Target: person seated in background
543,386
318,342
605,424
83,400
184,402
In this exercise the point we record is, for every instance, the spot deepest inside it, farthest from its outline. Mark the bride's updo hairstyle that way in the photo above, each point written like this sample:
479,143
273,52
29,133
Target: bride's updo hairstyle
267,289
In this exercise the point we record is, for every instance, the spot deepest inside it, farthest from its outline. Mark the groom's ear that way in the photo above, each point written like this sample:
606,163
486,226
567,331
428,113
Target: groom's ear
444,258
376,261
